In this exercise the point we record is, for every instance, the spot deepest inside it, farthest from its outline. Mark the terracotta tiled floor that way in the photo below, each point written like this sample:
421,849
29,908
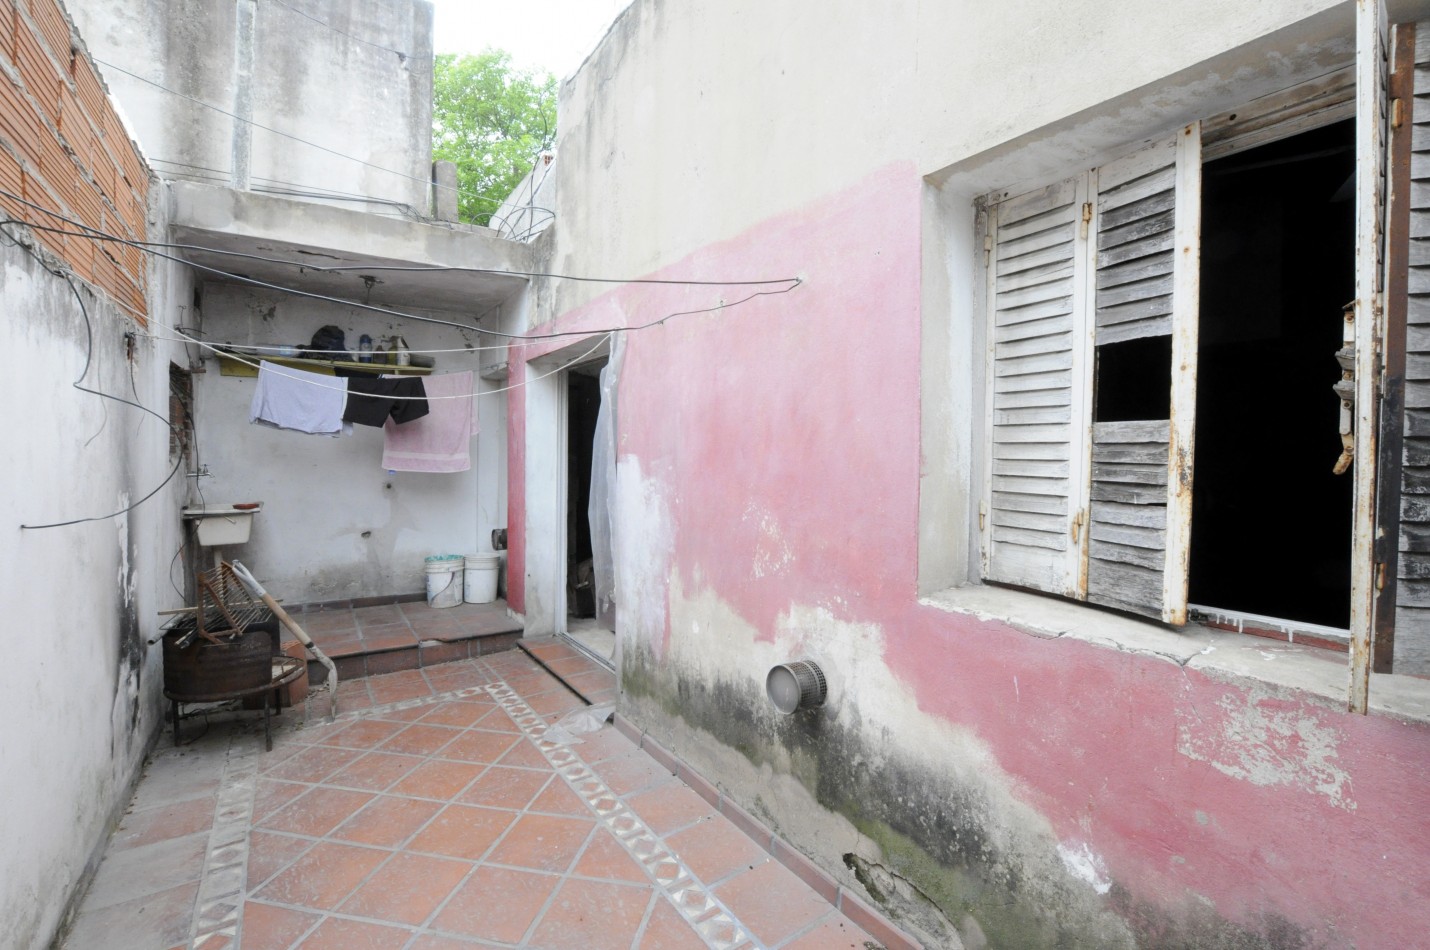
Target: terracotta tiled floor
434,815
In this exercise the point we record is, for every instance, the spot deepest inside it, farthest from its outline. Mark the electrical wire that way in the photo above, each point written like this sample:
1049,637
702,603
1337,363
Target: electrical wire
606,336
278,350
408,268
322,148
78,384
359,39
148,247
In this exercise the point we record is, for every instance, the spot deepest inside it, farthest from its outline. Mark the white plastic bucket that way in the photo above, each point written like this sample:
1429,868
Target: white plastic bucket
481,578
444,580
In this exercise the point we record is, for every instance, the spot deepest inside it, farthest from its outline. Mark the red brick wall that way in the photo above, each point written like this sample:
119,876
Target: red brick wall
63,147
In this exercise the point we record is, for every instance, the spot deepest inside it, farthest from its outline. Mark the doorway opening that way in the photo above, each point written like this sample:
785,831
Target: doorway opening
587,623
1271,523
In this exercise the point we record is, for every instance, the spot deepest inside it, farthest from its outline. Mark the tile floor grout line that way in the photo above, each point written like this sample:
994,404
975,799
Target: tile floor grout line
395,851
832,914
353,717
655,898
711,919
564,876
496,842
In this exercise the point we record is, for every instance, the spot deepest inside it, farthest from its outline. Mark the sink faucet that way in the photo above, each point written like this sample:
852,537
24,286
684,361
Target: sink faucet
203,472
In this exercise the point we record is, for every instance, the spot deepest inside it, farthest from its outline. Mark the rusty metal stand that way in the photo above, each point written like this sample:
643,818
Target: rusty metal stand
286,669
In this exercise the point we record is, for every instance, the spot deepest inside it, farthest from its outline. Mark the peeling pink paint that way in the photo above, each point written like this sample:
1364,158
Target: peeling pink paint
1092,736
789,428
516,488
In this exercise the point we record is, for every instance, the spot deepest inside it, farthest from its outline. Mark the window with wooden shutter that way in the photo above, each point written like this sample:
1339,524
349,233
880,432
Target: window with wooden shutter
1037,275
1093,291
1081,274
1148,206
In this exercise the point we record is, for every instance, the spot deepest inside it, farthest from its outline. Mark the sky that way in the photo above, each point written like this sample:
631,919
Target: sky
553,35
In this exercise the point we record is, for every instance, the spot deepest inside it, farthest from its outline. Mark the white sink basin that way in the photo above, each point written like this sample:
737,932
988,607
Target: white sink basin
221,524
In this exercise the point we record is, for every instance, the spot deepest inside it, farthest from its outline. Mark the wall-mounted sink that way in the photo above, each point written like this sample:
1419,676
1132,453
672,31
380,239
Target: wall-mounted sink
222,524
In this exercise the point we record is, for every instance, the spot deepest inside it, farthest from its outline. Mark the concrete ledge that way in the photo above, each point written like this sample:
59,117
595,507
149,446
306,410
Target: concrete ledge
1232,657
291,242
820,881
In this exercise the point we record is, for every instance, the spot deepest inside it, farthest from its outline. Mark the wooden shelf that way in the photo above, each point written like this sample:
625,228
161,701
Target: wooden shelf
233,364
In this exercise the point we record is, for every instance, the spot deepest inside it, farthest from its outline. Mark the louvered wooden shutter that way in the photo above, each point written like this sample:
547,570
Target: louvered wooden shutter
1412,595
1036,471
1147,225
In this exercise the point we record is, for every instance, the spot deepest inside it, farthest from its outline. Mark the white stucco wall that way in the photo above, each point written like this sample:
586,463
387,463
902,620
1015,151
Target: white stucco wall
694,121
82,686
352,78
335,525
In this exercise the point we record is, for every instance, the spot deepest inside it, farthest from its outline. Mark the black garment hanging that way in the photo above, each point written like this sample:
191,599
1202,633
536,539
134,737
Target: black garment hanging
371,400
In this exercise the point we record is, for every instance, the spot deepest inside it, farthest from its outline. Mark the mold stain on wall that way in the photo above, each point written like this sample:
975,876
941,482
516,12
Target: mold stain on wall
909,810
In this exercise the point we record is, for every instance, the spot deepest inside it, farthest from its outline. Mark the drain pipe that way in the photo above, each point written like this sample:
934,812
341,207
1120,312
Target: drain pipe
257,589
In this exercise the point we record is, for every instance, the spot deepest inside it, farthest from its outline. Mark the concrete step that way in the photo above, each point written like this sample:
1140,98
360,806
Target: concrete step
403,635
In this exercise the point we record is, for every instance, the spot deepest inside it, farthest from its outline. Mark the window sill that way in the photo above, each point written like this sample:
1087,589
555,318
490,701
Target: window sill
1233,657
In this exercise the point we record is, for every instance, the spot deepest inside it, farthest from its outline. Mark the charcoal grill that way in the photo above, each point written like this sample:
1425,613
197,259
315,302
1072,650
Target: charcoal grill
226,648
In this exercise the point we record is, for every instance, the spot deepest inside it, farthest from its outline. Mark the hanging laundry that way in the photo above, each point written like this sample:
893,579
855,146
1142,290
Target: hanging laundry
371,402
442,440
295,399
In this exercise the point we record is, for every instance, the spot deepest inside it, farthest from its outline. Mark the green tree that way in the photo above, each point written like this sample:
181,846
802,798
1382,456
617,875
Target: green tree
492,120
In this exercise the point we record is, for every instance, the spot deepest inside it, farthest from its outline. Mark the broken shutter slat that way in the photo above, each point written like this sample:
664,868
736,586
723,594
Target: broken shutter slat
1371,107
1034,467
1136,199
1145,288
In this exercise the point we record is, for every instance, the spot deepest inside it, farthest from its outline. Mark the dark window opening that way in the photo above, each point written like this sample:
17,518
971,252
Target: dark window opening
1133,380
1271,525
181,411
583,405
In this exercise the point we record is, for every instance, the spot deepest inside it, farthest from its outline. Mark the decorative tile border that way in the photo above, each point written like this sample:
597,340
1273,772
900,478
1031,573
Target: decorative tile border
694,900
223,884
368,712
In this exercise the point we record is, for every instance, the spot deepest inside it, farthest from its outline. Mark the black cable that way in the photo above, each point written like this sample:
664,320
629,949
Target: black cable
95,234
88,359
359,39
416,268
321,148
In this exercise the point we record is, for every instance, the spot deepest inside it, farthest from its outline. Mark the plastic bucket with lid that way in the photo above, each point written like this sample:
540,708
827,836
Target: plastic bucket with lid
444,580
481,578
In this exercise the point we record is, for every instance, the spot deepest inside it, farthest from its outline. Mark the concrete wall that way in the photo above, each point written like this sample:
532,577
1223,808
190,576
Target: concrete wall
82,685
352,79
985,771
335,524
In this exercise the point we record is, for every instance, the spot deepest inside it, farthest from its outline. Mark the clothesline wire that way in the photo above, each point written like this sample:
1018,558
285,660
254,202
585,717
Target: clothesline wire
241,278
408,268
322,382
278,349
95,234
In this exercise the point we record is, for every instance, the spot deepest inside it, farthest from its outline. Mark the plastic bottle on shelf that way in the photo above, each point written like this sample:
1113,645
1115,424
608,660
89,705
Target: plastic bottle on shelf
365,349
399,347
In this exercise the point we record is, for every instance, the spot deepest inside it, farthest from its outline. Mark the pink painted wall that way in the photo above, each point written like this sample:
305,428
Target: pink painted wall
802,411
516,487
